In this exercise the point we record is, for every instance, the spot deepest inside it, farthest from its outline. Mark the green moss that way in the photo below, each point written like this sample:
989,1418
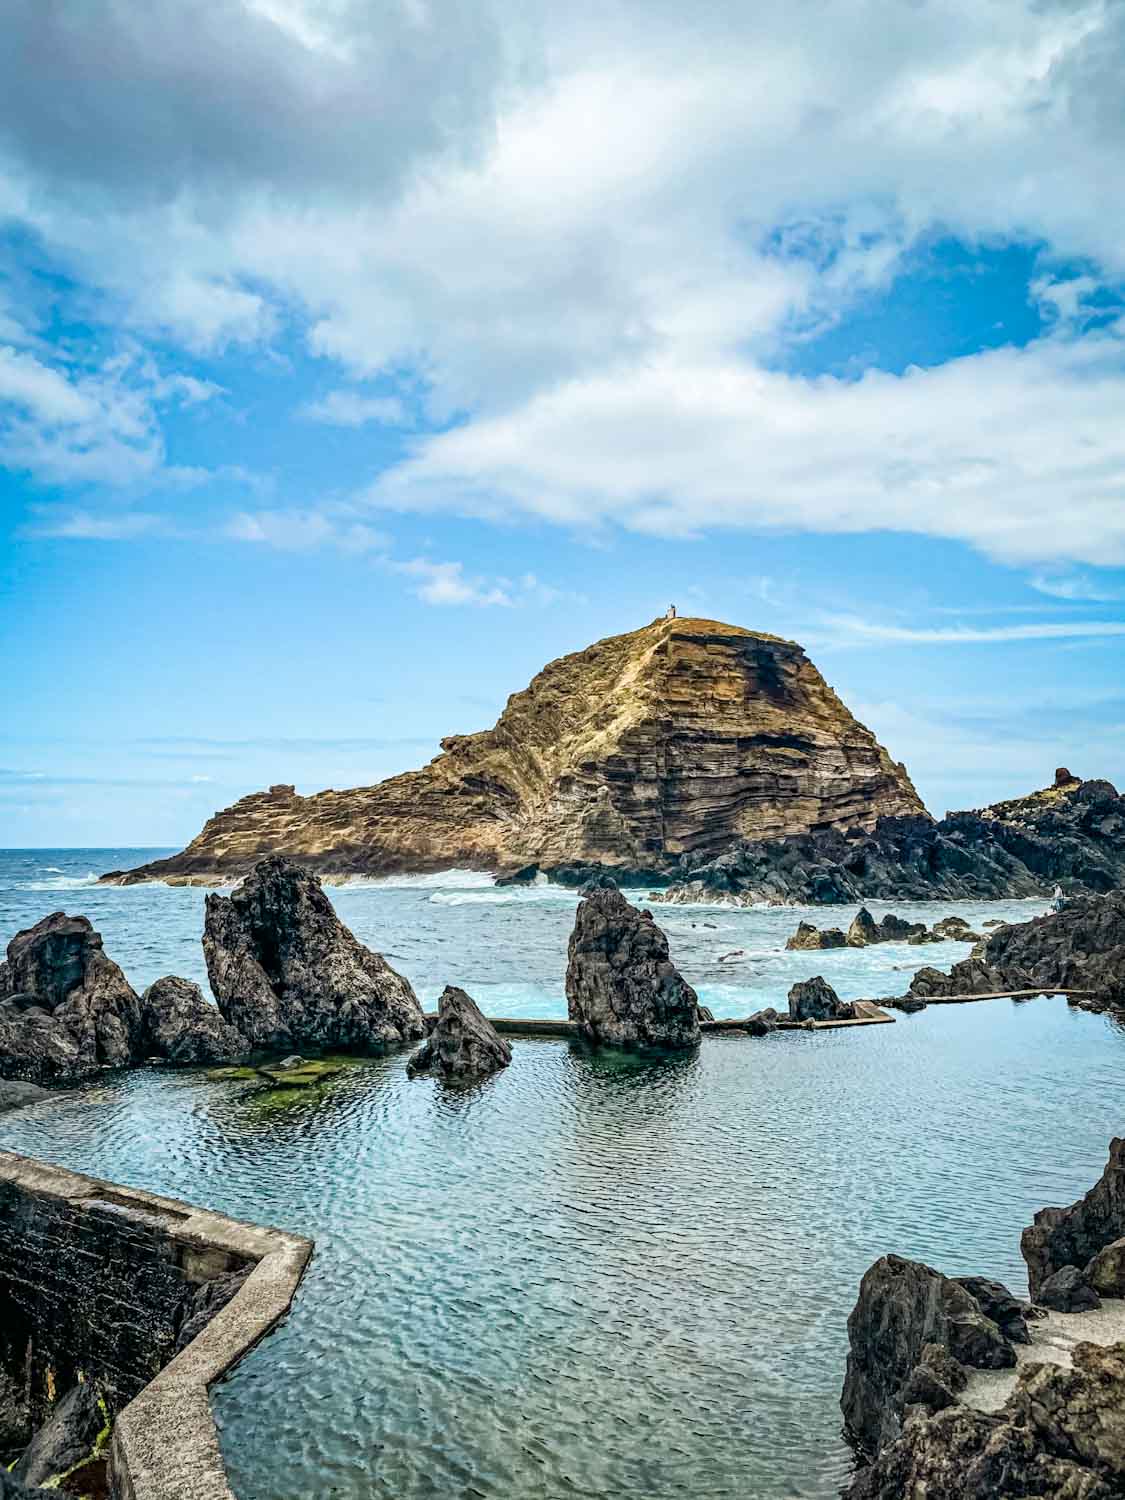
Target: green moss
224,1075
96,1453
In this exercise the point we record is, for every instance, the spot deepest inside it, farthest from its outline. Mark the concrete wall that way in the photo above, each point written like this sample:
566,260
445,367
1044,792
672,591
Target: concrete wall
97,1279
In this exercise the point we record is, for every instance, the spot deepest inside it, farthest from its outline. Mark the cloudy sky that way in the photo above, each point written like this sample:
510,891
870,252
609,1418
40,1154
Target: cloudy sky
359,356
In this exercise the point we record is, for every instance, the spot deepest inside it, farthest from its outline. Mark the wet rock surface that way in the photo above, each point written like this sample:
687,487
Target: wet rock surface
70,1435
15,1094
809,938
1074,1236
181,1026
287,973
1072,835
864,932
621,985
463,1045
904,1309
816,1000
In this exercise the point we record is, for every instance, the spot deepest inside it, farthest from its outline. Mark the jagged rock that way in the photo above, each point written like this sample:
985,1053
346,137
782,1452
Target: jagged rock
1068,1291
703,1014
935,1381
287,973
999,1306
903,1306
1073,1236
15,1094
463,1045
71,1433
762,1022
863,930
1060,1434
1073,836
678,738
808,937
893,929
909,1004
209,1298
621,986
1106,1270
68,1009
816,1000
957,930
179,1025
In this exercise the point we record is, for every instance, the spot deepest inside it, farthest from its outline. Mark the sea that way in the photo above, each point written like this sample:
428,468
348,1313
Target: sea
595,1274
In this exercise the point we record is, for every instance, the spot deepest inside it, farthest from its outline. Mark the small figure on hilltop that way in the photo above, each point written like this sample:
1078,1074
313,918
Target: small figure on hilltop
671,615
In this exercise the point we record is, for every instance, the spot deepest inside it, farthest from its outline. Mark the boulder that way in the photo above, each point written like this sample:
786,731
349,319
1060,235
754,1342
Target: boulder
1060,1434
70,1010
762,1022
77,1427
816,1000
1073,1236
463,1045
956,930
999,1306
894,929
621,986
904,1306
180,1026
287,973
1105,1271
15,1094
863,930
1068,1291
808,937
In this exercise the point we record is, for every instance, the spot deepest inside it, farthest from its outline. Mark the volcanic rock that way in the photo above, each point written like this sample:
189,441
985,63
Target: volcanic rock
762,1022
863,930
1061,1433
677,739
999,1306
621,986
287,973
1074,1236
463,1045
1073,836
16,1094
1067,1291
816,1000
1106,1270
179,1025
808,937
70,1434
67,1009
904,1307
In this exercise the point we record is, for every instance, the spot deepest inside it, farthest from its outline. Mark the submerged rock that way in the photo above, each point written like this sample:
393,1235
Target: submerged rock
76,1429
1061,1434
180,1026
816,1000
287,973
66,1009
1075,1236
904,1307
463,1044
621,986
16,1094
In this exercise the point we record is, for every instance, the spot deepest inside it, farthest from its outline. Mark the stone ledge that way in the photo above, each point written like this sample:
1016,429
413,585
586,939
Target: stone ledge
165,1445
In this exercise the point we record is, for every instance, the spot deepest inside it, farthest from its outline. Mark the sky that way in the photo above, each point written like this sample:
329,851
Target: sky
358,357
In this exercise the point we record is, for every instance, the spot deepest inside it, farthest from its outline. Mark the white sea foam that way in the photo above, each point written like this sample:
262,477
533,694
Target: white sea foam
439,879
505,896
62,882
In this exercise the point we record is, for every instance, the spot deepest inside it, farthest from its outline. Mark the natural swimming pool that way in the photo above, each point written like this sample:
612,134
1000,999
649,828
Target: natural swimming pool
594,1275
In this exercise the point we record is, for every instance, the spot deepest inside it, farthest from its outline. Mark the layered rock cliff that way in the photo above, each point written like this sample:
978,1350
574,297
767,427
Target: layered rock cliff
681,738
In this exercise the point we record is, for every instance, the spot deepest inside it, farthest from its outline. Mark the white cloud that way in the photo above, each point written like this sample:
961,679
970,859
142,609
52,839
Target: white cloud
86,526
353,409
1077,588
447,583
851,630
299,530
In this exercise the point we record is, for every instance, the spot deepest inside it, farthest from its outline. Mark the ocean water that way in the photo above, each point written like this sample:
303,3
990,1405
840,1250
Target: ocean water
593,1275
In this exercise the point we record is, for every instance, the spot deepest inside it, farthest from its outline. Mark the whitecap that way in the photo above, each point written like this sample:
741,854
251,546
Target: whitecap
63,882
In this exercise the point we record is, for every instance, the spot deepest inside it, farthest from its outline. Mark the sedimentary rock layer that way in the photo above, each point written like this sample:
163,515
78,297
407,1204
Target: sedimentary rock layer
1072,835
677,739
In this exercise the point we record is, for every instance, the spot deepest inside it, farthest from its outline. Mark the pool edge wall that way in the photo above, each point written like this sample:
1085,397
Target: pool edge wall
164,1444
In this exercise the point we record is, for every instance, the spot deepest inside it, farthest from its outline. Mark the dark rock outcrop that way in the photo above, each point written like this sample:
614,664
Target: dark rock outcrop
15,1094
904,1308
463,1045
1074,1236
210,1298
1105,1271
808,938
999,1306
15,1415
621,985
180,1026
287,973
762,1022
1060,1436
863,930
78,1425
67,1010
11,1490
1067,1291
1073,836
816,1000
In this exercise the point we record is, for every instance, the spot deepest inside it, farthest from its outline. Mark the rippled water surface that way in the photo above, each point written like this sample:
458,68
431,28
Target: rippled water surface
593,1275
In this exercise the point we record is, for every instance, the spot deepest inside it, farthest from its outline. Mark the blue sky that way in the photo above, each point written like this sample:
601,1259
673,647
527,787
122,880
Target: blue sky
357,359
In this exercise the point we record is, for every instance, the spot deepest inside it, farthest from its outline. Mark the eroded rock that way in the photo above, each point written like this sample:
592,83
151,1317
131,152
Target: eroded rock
77,1427
1068,1291
810,938
179,1025
463,1045
1073,1236
816,1000
621,985
287,973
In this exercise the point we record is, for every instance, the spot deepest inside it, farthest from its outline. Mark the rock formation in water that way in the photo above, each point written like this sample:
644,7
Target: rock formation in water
179,1026
679,738
1081,947
810,939
816,1000
865,931
287,973
621,986
463,1045
1085,1236
1071,835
